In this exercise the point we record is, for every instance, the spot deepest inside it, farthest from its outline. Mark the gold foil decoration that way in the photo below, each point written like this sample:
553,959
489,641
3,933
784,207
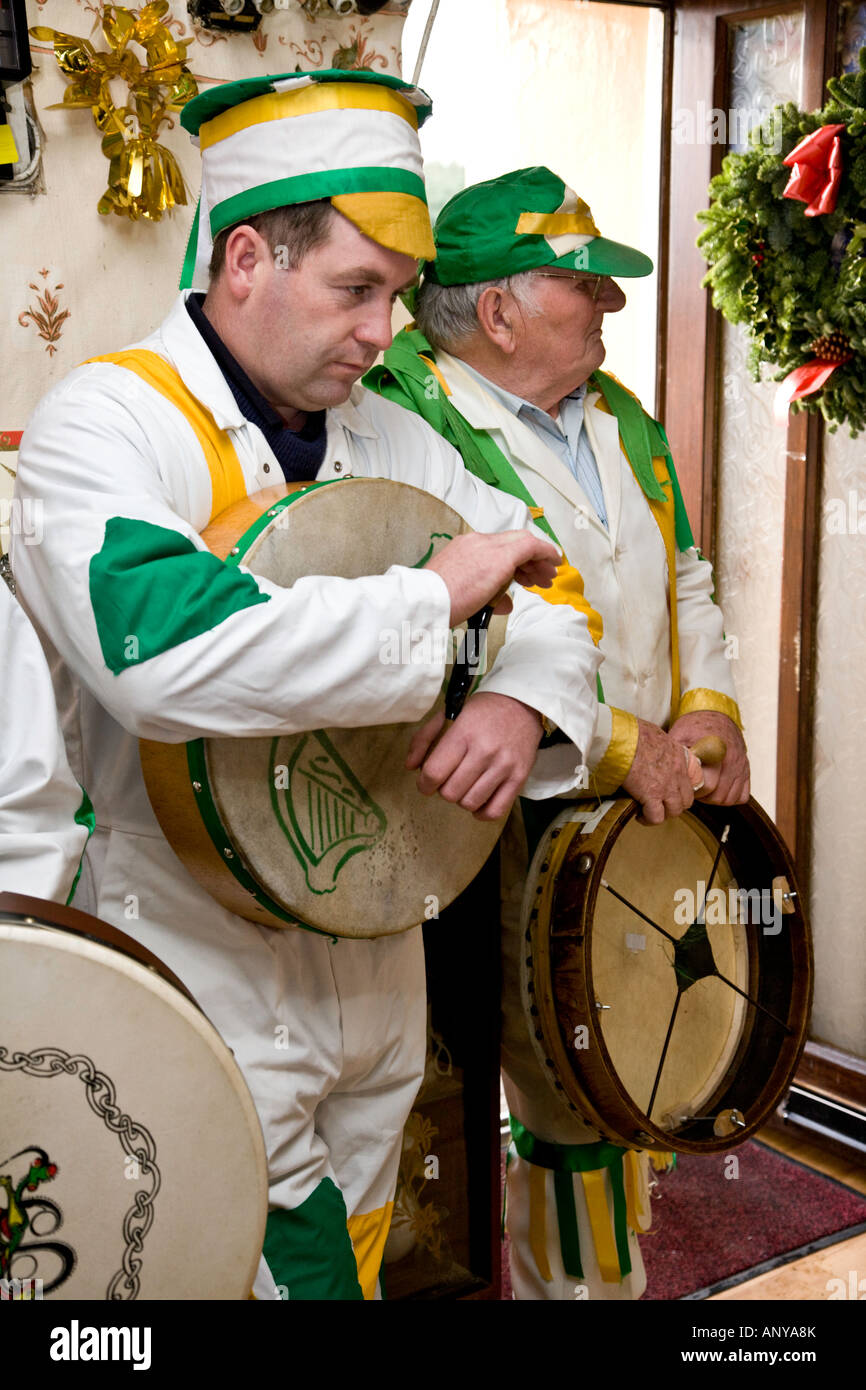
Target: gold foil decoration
144,179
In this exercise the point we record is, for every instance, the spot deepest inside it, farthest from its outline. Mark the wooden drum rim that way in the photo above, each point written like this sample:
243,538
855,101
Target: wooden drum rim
58,916
592,1091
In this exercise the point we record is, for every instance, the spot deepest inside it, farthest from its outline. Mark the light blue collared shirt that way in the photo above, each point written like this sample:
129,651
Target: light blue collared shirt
568,439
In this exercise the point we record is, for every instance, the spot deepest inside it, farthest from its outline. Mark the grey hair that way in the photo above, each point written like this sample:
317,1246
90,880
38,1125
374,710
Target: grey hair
448,314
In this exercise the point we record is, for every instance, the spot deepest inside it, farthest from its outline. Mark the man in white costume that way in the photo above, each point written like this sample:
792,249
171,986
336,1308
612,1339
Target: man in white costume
312,218
45,818
504,362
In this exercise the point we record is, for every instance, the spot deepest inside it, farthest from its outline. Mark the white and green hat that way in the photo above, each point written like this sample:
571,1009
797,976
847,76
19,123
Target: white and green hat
520,221
269,142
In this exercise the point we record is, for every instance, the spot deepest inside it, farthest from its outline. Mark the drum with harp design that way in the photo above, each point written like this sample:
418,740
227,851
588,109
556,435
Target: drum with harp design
132,1164
325,829
667,972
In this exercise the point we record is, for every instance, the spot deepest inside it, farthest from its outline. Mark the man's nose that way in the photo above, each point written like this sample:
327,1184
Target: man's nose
376,327
610,296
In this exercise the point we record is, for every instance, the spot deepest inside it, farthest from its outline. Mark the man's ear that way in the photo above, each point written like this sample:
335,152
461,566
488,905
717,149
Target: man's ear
499,318
246,251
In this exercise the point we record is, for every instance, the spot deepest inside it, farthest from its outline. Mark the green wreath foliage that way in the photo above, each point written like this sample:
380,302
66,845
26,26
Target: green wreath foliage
790,278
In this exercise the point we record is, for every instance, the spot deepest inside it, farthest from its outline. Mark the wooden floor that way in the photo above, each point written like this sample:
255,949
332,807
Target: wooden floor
809,1277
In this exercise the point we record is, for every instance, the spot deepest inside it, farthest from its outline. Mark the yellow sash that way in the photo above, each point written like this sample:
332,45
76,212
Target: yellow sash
226,476
664,516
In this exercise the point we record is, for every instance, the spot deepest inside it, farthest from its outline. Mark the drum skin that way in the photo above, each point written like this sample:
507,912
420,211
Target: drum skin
659,1030
327,828
132,1163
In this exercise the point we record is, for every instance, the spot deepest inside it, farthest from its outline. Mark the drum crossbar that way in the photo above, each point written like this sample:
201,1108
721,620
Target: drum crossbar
637,912
665,1046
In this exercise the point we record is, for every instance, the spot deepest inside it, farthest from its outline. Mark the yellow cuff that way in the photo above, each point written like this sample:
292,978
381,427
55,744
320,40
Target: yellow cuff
619,754
547,725
713,700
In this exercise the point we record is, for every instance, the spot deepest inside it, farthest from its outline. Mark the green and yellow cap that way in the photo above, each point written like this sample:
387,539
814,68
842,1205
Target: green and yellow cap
269,142
520,221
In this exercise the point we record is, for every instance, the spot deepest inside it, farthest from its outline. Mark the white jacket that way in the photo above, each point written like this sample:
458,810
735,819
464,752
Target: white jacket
41,841
103,444
624,567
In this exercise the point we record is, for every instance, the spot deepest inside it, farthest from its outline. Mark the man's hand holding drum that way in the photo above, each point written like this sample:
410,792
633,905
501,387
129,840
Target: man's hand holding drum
479,569
482,760
661,778
727,783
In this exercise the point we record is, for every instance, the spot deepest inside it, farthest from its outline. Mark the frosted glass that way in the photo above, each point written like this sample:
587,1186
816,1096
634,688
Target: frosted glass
765,69
839,797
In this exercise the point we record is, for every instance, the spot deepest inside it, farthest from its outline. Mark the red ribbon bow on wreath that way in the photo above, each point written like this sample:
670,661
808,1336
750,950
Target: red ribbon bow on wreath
830,353
817,170
802,381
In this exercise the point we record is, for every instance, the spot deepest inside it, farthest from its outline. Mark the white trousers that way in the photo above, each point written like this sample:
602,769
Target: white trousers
329,1034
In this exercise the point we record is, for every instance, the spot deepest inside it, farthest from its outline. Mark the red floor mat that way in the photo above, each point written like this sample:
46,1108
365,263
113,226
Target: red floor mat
708,1227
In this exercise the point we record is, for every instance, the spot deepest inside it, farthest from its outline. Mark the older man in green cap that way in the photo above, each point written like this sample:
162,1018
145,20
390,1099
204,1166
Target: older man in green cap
505,362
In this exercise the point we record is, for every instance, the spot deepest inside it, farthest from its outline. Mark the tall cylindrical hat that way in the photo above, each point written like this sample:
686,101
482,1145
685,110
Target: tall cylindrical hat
269,142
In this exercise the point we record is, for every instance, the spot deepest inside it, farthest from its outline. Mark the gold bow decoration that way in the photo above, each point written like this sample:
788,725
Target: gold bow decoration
144,179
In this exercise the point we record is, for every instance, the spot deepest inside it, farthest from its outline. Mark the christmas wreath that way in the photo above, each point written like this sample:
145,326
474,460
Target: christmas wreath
785,239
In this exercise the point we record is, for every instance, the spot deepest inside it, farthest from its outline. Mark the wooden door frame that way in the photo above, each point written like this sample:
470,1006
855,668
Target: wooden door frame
690,344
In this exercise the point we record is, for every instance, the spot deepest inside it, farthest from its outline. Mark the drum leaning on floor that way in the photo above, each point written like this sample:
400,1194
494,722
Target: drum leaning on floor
132,1164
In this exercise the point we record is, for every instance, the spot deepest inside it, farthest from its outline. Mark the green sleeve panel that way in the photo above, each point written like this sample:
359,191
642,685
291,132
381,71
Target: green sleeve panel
151,589
308,1250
